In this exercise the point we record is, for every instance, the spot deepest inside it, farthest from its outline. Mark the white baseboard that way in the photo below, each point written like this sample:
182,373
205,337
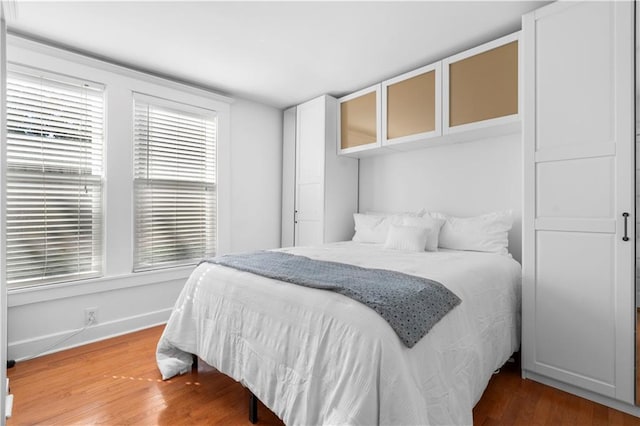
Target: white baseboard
29,348
8,406
583,393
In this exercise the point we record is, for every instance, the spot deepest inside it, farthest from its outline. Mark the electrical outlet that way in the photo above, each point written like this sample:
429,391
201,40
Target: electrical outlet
90,316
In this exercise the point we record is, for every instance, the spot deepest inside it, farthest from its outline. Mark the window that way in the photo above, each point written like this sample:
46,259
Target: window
54,179
175,183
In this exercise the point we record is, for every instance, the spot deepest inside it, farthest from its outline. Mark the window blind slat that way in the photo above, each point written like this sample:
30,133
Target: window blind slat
54,180
175,188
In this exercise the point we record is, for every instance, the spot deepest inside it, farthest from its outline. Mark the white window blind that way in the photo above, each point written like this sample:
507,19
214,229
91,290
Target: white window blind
54,179
175,183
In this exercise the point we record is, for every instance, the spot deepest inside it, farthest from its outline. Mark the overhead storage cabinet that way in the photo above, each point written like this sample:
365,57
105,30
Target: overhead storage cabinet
411,107
360,121
472,95
481,86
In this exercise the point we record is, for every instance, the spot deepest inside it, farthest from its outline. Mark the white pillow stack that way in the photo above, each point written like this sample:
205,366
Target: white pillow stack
433,226
426,231
398,231
488,233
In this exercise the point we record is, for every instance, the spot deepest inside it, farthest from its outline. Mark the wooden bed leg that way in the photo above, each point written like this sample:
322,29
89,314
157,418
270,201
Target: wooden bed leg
253,408
194,365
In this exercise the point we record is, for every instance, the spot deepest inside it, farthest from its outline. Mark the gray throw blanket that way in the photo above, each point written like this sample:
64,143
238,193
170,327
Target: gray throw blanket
411,305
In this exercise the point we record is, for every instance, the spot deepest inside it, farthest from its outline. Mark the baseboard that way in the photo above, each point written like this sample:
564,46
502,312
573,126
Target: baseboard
29,348
583,393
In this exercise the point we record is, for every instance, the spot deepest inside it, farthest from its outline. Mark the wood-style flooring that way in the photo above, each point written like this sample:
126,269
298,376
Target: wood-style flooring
637,356
116,382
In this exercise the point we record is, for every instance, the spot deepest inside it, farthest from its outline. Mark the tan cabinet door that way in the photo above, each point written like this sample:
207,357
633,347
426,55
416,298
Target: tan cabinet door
359,120
411,106
481,85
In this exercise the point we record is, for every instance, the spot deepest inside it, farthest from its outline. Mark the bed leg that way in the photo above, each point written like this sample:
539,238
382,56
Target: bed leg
515,358
253,408
194,365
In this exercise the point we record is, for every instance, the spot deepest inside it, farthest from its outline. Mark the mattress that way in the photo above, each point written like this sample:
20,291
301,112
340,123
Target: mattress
316,357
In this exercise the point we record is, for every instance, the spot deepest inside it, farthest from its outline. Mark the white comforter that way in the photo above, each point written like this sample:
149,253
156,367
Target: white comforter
316,357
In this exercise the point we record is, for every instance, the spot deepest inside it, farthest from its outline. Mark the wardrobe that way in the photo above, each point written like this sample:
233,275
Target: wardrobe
578,292
319,188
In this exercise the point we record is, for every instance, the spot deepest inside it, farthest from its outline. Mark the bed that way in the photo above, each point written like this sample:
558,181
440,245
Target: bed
316,357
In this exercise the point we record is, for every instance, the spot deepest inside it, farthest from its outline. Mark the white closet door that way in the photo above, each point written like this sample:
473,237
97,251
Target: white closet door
288,177
310,147
578,285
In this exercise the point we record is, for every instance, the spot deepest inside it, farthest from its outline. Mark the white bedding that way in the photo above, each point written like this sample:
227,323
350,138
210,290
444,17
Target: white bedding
316,357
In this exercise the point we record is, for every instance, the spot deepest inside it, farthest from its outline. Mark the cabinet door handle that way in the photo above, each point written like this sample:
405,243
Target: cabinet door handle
625,215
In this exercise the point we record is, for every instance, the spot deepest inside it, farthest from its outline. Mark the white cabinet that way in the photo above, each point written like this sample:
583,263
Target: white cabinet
469,96
578,129
480,88
411,107
360,122
319,188
288,176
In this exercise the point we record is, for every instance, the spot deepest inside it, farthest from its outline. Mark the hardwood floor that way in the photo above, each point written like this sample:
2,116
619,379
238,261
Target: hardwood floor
638,356
116,382
510,400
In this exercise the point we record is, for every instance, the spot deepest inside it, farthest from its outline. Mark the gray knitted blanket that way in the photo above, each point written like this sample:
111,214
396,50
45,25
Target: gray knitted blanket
411,305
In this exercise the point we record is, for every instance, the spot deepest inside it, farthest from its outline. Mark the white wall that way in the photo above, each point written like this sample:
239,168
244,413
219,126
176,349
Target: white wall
256,176
637,213
249,182
463,179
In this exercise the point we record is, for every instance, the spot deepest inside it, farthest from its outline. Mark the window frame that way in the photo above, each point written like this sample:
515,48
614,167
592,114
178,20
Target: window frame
64,79
120,82
187,109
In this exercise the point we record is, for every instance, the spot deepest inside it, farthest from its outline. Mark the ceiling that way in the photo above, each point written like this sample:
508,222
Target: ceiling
277,53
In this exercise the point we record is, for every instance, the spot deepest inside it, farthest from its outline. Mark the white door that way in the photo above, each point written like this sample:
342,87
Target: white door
310,148
288,177
578,292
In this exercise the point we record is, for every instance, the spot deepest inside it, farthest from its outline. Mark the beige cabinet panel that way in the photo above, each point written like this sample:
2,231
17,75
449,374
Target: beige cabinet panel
359,115
484,86
411,106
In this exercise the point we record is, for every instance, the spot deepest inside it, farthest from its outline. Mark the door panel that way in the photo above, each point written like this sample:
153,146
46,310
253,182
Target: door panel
575,303
484,86
310,150
582,188
575,103
288,177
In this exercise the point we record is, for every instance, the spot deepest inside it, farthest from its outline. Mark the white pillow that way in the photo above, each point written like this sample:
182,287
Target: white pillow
432,225
411,238
489,232
419,213
373,228
369,228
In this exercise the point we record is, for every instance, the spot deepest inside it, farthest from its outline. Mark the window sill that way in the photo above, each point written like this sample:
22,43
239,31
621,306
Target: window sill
43,293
